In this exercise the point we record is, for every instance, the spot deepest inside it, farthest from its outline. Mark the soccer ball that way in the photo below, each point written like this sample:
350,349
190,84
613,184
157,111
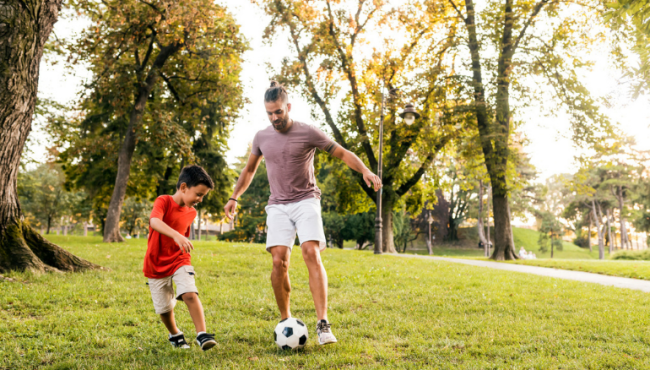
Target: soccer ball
290,334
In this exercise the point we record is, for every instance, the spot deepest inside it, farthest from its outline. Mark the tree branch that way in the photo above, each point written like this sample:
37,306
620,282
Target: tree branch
425,165
457,11
538,7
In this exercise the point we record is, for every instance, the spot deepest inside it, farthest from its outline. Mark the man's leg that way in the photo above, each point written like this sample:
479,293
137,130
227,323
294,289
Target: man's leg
280,278
317,277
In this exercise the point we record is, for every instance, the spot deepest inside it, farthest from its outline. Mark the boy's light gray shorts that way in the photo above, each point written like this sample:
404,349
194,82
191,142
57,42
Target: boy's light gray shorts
283,220
162,290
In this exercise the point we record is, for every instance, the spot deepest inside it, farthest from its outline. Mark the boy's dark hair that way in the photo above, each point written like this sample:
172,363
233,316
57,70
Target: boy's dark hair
276,92
194,175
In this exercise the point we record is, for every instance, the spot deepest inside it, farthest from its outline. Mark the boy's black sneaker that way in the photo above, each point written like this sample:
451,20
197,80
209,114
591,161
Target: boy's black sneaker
206,341
178,341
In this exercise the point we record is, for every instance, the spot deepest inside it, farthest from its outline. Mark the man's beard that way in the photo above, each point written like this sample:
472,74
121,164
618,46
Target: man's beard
281,124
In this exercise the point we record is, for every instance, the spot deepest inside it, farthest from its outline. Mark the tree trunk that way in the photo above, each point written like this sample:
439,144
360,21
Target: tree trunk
596,213
49,224
487,219
387,230
479,220
199,231
504,248
112,227
609,232
625,242
24,29
591,222
85,228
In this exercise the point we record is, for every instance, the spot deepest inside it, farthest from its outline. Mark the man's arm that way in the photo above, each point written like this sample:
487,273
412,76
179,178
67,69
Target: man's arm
164,229
356,164
243,183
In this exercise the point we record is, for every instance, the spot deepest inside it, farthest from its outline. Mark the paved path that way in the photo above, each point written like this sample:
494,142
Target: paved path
620,282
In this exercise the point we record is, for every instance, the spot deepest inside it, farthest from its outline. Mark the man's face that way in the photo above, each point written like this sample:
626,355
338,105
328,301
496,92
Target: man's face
194,195
278,113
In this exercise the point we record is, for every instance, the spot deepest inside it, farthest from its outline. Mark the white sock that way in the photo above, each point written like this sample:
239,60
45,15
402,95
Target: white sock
199,333
175,335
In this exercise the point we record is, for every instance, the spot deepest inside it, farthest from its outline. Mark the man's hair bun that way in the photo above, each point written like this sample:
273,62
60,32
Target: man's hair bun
276,92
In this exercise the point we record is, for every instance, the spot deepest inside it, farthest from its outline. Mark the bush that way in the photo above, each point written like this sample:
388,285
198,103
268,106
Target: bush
629,255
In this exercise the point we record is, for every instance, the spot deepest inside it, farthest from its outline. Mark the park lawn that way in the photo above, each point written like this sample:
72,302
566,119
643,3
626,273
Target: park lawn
386,312
629,269
523,238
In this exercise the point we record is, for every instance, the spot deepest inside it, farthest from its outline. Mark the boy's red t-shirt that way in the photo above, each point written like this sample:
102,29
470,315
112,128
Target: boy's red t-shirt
164,256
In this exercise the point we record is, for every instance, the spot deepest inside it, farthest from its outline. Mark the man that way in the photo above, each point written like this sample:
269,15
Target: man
289,148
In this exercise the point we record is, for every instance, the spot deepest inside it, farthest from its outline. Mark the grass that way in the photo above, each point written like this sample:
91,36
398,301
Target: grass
643,255
523,237
629,269
388,312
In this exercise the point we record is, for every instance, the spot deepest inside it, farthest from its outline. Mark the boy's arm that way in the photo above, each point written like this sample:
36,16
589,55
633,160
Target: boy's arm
356,164
164,229
242,184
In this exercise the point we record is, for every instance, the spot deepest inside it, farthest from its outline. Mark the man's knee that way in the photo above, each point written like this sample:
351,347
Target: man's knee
280,264
311,253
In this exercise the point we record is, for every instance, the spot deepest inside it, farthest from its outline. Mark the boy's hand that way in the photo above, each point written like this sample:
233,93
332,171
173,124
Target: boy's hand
230,209
183,243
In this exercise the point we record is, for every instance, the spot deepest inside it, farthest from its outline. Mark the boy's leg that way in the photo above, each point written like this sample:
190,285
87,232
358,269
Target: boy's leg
317,277
196,311
280,278
168,319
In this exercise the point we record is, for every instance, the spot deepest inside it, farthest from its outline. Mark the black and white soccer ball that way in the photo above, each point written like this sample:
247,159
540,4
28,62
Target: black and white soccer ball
290,334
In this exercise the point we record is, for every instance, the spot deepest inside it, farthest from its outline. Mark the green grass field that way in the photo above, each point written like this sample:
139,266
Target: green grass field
630,269
388,312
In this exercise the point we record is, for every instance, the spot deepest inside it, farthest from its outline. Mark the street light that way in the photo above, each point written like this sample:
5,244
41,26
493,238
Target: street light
409,114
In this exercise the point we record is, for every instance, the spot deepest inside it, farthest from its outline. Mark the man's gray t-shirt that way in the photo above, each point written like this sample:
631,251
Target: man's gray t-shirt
290,160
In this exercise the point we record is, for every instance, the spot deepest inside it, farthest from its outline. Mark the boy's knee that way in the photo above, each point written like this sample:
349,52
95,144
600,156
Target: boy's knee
190,298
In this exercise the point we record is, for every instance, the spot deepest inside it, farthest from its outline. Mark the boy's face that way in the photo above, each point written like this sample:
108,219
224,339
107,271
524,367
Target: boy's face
194,195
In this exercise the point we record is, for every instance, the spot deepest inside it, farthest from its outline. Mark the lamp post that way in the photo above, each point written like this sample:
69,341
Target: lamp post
430,221
409,114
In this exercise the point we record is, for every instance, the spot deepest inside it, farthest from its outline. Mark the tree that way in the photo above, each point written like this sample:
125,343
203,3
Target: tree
636,12
178,60
23,42
509,42
550,233
135,215
327,37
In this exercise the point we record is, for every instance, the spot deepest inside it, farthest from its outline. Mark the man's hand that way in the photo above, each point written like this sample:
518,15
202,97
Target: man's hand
185,245
230,209
370,177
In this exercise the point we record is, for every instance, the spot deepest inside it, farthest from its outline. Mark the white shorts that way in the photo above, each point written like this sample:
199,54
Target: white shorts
162,290
283,220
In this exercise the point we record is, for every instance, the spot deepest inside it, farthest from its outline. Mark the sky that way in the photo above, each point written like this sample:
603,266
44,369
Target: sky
550,148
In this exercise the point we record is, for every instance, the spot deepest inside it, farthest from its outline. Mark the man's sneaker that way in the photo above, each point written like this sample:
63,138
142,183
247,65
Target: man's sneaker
206,341
325,335
178,341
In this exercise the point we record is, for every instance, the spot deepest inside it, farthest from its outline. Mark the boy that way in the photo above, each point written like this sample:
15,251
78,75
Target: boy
168,255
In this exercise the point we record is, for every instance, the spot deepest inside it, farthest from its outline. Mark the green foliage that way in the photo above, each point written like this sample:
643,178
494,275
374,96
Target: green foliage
550,233
403,231
135,216
45,201
632,255
250,223
631,18
195,98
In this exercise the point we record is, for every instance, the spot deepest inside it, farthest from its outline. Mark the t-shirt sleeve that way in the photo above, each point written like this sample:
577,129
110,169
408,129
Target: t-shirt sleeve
160,206
255,149
322,141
